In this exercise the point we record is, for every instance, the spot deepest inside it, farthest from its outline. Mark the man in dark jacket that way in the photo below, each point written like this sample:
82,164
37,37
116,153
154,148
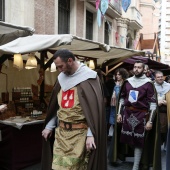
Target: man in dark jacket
77,105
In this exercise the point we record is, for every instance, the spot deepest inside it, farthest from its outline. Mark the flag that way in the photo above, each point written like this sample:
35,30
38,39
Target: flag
97,4
99,17
126,4
104,5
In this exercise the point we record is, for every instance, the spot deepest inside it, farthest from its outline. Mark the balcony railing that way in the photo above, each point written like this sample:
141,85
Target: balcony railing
135,16
167,17
117,5
167,24
167,31
167,38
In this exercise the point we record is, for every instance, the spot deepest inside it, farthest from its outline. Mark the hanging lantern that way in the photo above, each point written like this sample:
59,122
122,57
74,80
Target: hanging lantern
53,67
31,62
91,64
18,61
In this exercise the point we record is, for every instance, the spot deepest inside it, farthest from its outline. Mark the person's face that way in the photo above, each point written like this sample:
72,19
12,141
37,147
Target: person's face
118,76
138,69
63,66
146,70
159,78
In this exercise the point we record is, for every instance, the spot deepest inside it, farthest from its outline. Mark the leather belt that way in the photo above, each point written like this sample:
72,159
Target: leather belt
70,126
136,109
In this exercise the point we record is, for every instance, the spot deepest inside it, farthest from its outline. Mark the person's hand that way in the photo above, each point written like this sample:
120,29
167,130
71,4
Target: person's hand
160,103
46,134
3,107
119,118
148,126
164,102
90,144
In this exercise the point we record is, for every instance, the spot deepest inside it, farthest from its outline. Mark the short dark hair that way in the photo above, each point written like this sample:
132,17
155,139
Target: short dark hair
123,72
158,72
167,78
64,54
139,61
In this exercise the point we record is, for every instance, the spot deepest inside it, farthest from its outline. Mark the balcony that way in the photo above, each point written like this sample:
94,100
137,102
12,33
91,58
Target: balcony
135,17
115,8
168,5
167,24
167,17
167,32
167,45
167,38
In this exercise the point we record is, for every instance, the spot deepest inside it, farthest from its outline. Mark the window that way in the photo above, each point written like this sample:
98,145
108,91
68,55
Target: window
89,25
63,16
106,33
2,10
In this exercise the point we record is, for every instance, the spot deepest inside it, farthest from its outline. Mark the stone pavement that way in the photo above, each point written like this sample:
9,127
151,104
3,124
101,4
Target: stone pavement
129,163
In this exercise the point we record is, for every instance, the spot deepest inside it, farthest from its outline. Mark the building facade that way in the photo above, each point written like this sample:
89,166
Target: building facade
77,17
150,11
164,31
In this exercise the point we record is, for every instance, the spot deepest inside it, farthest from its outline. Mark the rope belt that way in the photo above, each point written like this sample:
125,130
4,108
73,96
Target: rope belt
136,109
70,126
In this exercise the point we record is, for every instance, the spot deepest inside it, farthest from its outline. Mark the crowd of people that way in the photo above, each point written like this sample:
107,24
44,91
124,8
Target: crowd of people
84,106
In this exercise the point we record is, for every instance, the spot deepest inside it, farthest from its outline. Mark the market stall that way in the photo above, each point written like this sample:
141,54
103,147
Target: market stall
43,46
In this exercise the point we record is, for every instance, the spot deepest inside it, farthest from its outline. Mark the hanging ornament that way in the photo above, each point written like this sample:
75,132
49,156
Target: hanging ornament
126,4
97,4
117,37
121,38
99,17
104,6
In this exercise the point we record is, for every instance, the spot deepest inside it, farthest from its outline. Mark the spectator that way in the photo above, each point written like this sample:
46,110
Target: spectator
162,89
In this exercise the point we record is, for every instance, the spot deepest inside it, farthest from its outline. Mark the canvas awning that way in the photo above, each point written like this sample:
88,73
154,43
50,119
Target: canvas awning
79,46
129,62
9,32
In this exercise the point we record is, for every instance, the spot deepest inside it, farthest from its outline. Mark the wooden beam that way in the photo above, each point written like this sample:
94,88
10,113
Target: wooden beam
114,67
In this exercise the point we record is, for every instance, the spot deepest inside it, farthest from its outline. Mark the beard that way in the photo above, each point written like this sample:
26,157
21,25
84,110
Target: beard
139,75
68,70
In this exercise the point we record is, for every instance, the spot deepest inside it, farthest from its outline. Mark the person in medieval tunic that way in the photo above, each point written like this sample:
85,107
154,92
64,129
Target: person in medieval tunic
137,129
77,105
162,89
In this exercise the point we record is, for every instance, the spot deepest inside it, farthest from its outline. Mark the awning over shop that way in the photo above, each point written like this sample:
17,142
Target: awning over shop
129,62
9,32
79,46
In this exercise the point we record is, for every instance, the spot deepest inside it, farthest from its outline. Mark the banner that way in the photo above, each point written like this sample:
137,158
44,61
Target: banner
126,4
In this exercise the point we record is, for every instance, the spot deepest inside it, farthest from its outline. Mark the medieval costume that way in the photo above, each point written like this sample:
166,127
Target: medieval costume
86,108
137,97
162,90
168,135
